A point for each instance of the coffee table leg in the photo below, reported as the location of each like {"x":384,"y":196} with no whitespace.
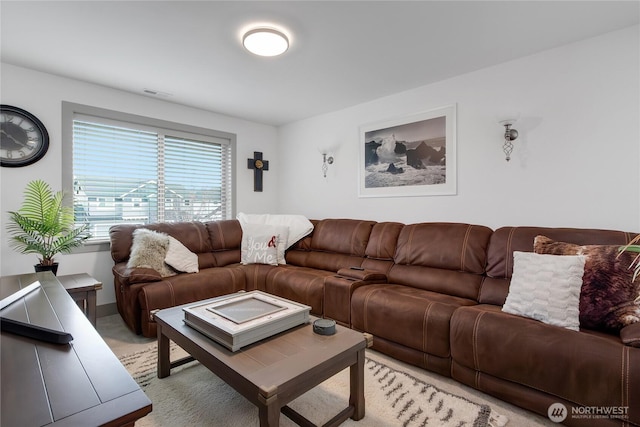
{"x":164,"y":364}
{"x":269,"y":412}
{"x":356,"y":399}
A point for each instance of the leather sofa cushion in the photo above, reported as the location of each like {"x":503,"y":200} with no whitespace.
{"x":304,"y":244}
{"x":342,"y":236}
{"x":454,"y":283}
{"x":447,"y":258}
{"x":224,"y":234}
{"x":322,"y":260}
{"x":591,"y":368}
{"x":630,"y":335}
{"x":193,"y":235}
{"x":128,"y":276}
{"x":226,"y":239}
{"x":187,"y":288}
{"x":420,"y":318}
{"x":300,"y":284}
{"x":450,"y":246}
{"x":383,"y":240}
{"x":504,"y":241}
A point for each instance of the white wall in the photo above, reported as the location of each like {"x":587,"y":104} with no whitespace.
{"x":42,"y":94}
{"x":575,"y":163}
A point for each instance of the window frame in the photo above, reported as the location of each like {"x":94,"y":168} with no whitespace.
{"x":70,"y":110}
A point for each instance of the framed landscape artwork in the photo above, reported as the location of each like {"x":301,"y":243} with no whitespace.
{"x":409,"y":156}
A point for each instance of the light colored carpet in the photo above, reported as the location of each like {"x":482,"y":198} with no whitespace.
{"x":194,"y":396}
{"x":396,"y":394}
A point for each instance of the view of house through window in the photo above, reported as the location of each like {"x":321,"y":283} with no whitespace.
{"x":136,"y":174}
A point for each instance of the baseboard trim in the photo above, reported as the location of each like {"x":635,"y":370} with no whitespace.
{"x":106,"y":310}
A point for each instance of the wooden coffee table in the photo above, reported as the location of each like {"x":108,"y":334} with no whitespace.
{"x":272,"y":372}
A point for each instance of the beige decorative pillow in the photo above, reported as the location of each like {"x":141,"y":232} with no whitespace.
{"x":610,"y":298}
{"x":181,"y":258}
{"x":546,"y":288}
{"x":148,"y":250}
{"x":263,"y":244}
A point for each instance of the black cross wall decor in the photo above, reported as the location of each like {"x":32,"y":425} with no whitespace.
{"x":258,"y":165}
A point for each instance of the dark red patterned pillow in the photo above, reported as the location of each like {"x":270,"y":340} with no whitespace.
{"x":610,"y":298}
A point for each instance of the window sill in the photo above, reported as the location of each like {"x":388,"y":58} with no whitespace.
{"x":96,"y":246}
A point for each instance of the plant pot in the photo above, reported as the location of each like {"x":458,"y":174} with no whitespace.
{"x":52,"y":268}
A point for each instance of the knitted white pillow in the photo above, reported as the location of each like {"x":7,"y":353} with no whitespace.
{"x":546,"y":288}
{"x":181,"y":258}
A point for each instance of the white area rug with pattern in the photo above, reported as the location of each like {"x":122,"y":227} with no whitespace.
{"x":193,"y":396}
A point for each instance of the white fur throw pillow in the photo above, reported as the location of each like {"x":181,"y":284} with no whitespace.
{"x":263,"y":244}
{"x":546,"y":288}
{"x":148,"y":250}
{"x":181,"y":258}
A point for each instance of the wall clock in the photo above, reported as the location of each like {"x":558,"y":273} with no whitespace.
{"x":23,"y":138}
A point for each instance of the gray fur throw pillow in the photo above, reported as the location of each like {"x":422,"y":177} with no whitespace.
{"x":148,"y":250}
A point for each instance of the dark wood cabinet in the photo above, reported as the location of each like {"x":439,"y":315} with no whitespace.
{"x":81,"y":383}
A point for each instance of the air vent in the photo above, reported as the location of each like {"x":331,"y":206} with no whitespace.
{"x":157,"y":93}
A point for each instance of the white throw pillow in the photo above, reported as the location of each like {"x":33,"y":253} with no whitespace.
{"x":546,"y":288}
{"x":263,"y":244}
{"x":148,"y":250}
{"x":181,"y":258}
{"x":298,"y":226}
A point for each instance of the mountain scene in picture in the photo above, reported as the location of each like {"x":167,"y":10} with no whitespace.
{"x":411,"y":154}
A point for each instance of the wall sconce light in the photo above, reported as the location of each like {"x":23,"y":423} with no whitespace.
{"x":509,"y":136}
{"x":326,"y":161}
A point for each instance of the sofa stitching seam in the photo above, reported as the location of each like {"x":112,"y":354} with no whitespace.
{"x":366,"y":305}
{"x":221,"y":235}
{"x":474,"y":340}
{"x":352,"y":245}
{"x":465,"y":242}
{"x":379,"y":248}
{"x":146,"y":300}
{"x":171,"y":291}
{"x":353,"y":238}
{"x":425,"y":320}
{"x":409,"y":243}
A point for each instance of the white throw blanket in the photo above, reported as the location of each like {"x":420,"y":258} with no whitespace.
{"x":299,"y":226}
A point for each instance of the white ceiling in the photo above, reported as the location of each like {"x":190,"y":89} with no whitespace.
{"x":342,"y":53}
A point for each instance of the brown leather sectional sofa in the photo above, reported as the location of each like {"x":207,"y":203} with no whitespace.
{"x":429,"y":293}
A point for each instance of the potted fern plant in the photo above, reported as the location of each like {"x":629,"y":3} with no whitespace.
{"x":634,"y":246}
{"x":45,"y":226}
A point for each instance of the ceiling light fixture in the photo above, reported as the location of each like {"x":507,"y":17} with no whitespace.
{"x":265,"y":41}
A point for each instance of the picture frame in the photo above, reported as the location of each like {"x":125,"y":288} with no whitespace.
{"x":240,"y":319}
{"x":409,"y":156}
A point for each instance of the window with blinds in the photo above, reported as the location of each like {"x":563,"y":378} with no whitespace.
{"x":139,"y":174}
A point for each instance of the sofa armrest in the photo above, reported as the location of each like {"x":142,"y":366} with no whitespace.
{"x":363,"y":275}
{"x":338,"y":290}
{"x":630,"y":335}
{"x":129,"y":276}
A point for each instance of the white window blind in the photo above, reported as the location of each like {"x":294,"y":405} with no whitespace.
{"x":127,"y":173}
